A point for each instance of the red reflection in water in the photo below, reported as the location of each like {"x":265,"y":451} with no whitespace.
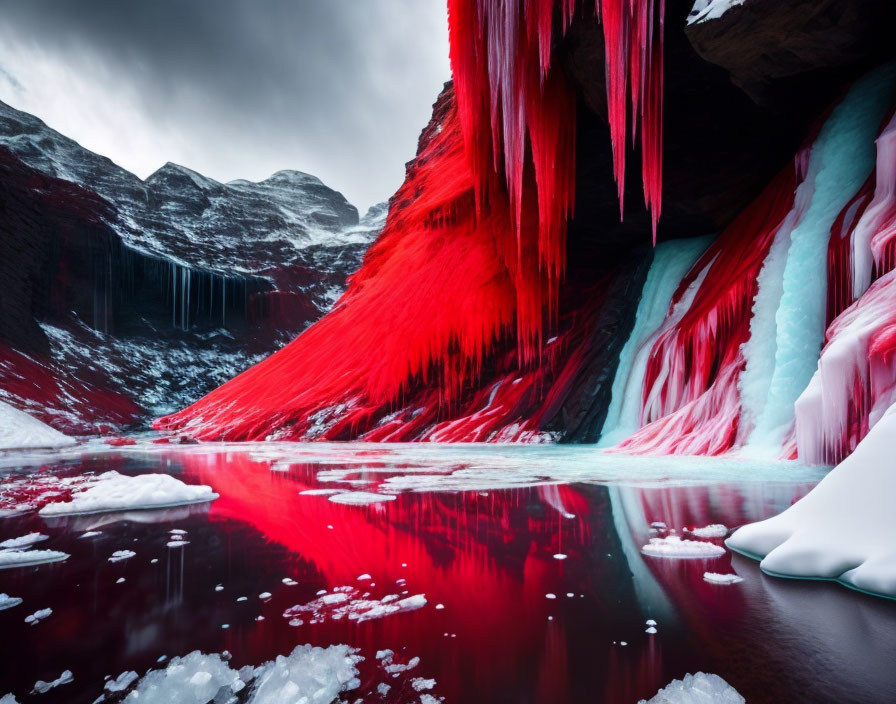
{"x":447,"y":542}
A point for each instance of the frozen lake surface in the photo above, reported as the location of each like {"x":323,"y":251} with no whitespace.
{"x":469,"y":573}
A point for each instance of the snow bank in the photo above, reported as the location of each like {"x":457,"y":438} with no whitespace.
{"x":19,"y":431}
{"x":26,"y":558}
{"x":843,"y":529}
{"x":117,"y":492}
{"x":673,"y":546}
{"x":701,"y":688}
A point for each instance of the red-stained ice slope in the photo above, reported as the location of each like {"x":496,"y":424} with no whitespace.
{"x":470,"y":261}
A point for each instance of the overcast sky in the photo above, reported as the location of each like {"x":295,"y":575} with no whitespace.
{"x":233,"y":88}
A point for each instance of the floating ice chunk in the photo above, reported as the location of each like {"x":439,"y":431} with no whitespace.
{"x":650,"y":629}
{"x":243,"y":598}
{"x":361,"y":498}
{"x":91,"y":534}
{"x":177,"y":543}
{"x":264,"y":596}
{"x":19,"y":431}
{"x":717,"y":578}
{"x":364,"y":577}
{"x":386,"y":654}
{"x":658,"y":525}
{"x":650,"y":622}
{"x":120,"y":580}
{"x":38,"y":616}
{"x":289,"y":582}
{"x":346,"y":603}
{"x":560,"y":556}
{"x":398,"y":667}
{"x":41,"y":687}
{"x":219,"y":588}
{"x":26,"y":558}
{"x":122,"y":682}
{"x":320,"y":492}
{"x":308,"y":674}
{"x":120,"y":555}
{"x":715,"y":530}
{"x":7,"y":601}
{"x":117,"y":492}
{"x":194,"y":679}
{"x":8,"y":699}
{"x":701,"y":688}
{"x":24,"y":541}
{"x":550,"y":596}
{"x":334,"y":598}
{"x":439,"y":607}
{"x":673,"y":546}
{"x":382,"y":689}
{"x":428,"y":699}
{"x":177,"y":531}
{"x":421,"y":684}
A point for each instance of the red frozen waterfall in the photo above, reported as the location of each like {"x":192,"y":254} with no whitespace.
{"x":464,"y":280}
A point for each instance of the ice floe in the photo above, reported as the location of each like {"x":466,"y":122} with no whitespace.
{"x":361,"y":498}
{"x":7,"y":601}
{"x":715,"y":530}
{"x":25,"y":558}
{"x":117,"y":492}
{"x":120,"y":555}
{"x":673,"y":546}
{"x":701,"y":688}
{"x":718,"y":578}
{"x":41,"y":687}
{"x":24,"y":541}
{"x":38,"y":616}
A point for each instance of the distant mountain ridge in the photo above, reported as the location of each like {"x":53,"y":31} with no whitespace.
{"x":155,"y":289}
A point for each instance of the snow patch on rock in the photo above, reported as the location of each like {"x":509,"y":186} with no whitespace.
{"x":19,"y":431}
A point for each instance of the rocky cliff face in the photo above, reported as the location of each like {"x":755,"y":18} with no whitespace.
{"x":152,"y":292}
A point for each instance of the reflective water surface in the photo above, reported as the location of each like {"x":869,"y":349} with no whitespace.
{"x":535,"y":586}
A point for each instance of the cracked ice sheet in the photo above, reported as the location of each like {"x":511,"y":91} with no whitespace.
{"x":463,"y":466}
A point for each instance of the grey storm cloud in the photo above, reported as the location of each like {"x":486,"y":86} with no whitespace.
{"x":233,"y":88}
